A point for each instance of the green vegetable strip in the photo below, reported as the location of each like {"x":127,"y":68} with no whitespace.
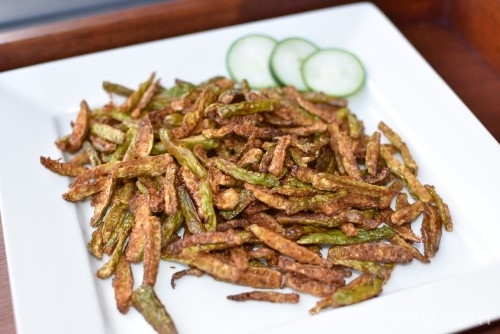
{"x":308,"y":219}
{"x":194,"y":116}
{"x":170,"y":226}
{"x":337,"y":237}
{"x":123,"y":228}
{"x":122,"y":149}
{"x":355,"y":293}
{"x":204,"y":142}
{"x":241,"y":174}
{"x":113,"y":88}
{"x":382,"y":270}
{"x":183,"y":155}
{"x":444,"y":211}
{"x":107,"y":132}
{"x":134,"y":99}
{"x":109,"y":267}
{"x":145,"y":300}
{"x":416,"y":189}
{"x":193,"y":222}
{"x":246,"y":108}
{"x":207,"y":205}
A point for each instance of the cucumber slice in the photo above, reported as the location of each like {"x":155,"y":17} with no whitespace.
{"x":248,"y":58}
{"x":333,"y":71}
{"x":287,"y":58}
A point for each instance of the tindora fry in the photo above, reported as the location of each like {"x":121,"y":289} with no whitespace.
{"x":123,"y":282}
{"x":400,"y":145}
{"x":442,"y":207}
{"x":304,"y":284}
{"x":142,"y":142}
{"x":185,"y":272}
{"x":266,"y":296}
{"x":348,"y":158}
{"x":372,"y":153}
{"x":338,"y":237}
{"x":287,"y":247}
{"x":431,"y":230}
{"x":74,"y":141}
{"x":371,"y":251}
{"x":145,"y":300}
{"x":269,"y":189}
{"x":318,"y":273}
{"x":414,"y":186}
{"x":62,"y":168}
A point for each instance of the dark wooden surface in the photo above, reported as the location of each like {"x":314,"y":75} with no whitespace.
{"x":459,"y":38}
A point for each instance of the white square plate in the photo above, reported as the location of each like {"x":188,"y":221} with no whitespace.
{"x":54,"y":288}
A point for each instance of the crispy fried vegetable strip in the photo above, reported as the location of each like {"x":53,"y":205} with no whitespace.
{"x":361,"y":288}
{"x":114,"y":88}
{"x":184,"y":156}
{"x":134,"y":99}
{"x":398,"y":240}
{"x":338,"y":237}
{"x":170,"y":226}
{"x":279,"y":154}
{"x":169,"y":192}
{"x":207,"y":205}
{"x":266,"y":296}
{"x":382,"y":270}
{"x":304,"y":284}
{"x":407,"y":214}
{"x":110,"y":267}
{"x":62,"y":168}
{"x":287,"y":247}
{"x":80,"y":130}
{"x":185,"y":272}
{"x":101,"y":201}
{"x":211,"y":264}
{"x":137,"y":239}
{"x":348,"y":158}
{"x":152,"y":250}
{"x":312,"y":271}
{"x":81,"y":191}
{"x":145,"y":300}
{"x":191,"y":218}
{"x":122,"y":149}
{"x":396,"y":140}
{"x":245,"y":108}
{"x":372,"y":153}
{"x":431,"y":230}
{"x":142,"y":142}
{"x":259,"y":278}
{"x":371,"y":251}
{"x":230,"y":238}
{"x":123,"y":282}
{"x":150,"y":166}
{"x":194,"y":116}
{"x":107,"y":132}
{"x":324,"y":181}
{"x":308,"y":219}
{"x":244,"y":175}
{"x":444,"y":211}
{"x":414,"y":186}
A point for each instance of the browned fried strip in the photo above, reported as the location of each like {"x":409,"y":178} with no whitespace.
{"x":373,"y":251}
{"x":287,"y":247}
{"x":266,"y":296}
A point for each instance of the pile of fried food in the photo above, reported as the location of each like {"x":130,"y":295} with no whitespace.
{"x":269,"y":189}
